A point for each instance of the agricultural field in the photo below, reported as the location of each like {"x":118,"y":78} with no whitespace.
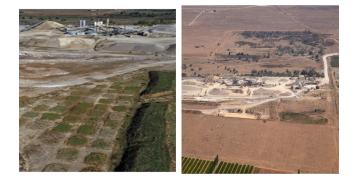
{"x":233,"y":168}
{"x":77,"y":129}
{"x":89,"y":123}
{"x":199,"y":166}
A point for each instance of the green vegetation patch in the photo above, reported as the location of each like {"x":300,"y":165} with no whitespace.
{"x":50,"y":137}
{"x":335,"y":61}
{"x":91,"y":169}
{"x":71,"y":119}
{"x":105,"y":101}
{"x":199,"y":166}
{"x":117,"y":85}
{"x":170,"y":119}
{"x":100,"y":143}
{"x":73,"y":98}
{"x":111,"y":123}
{"x":41,"y":107}
{"x":59,"y":109}
{"x":87,"y":129}
{"x":95,"y":91}
{"x":131,"y":89}
{"x":146,"y":139}
{"x":123,"y":17}
{"x":119,"y":108}
{"x":50,"y":116}
{"x":81,"y":108}
{"x":93,"y":120}
{"x":101,"y":86}
{"x":301,"y":118}
{"x":95,"y":158}
{"x":80,"y":92}
{"x":31,"y":114}
{"x":68,"y":154}
{"x":98,"y":110}
{"x":55,"y":167}
{"x":196,"y":166}
{"x":125,"y":98}
{"x":161,"y":81}
{"x":62,"y":127}
{"x":77,"y":140}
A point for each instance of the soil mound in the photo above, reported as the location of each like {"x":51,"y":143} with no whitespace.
{"x":48,"y":25}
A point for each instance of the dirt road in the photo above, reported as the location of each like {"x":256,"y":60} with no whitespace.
{"x":72,"y":80}
{"x":196,"y":17}
{"x":326,"y":76}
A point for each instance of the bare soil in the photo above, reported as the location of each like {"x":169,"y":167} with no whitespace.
{"x":274,"y":144}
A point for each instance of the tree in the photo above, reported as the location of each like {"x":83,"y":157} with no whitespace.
{"x":211,"y":168}
{"x":235,"y":81}
{"x":254,"y":72}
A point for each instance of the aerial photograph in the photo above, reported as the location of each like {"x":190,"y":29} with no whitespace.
{"x":260,"y":89}
{"x":97,"y":90}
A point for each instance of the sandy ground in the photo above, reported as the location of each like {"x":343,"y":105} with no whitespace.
{"x":273,"y":144}
{"x":50,"y":59}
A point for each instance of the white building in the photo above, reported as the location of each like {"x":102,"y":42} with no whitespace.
{"x":82,"y":23}
{"x":98,"y":23}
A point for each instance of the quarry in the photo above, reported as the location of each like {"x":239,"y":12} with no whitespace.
{"x":86,"y":90}
{"x":237,"y":95}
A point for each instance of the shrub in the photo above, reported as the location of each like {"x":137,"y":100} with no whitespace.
{"x":71,"y":119}
{"x":31,"y":114}
{"x":77,"y":140}
{"x":119,"y":108}
{"x":86,"y":129}
{"x":58,"y":109}
{"x":95,"y":158}
{"x":68,"y":154}
{"x":41,"y":108}
{"x":62,"y":127}
{"x":100,"y":143}
{"x":81,"y":107}
{"x":50,"y":116}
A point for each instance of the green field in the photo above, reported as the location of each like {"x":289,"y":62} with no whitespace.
{"x":301,"y":118}
{"x":117,"y":17}
{"x":161,"y":81}
{"x":199,"y":166}
{"x":147,"y":149}
{"x":233,"y":168}
{"x":196,"y":166}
